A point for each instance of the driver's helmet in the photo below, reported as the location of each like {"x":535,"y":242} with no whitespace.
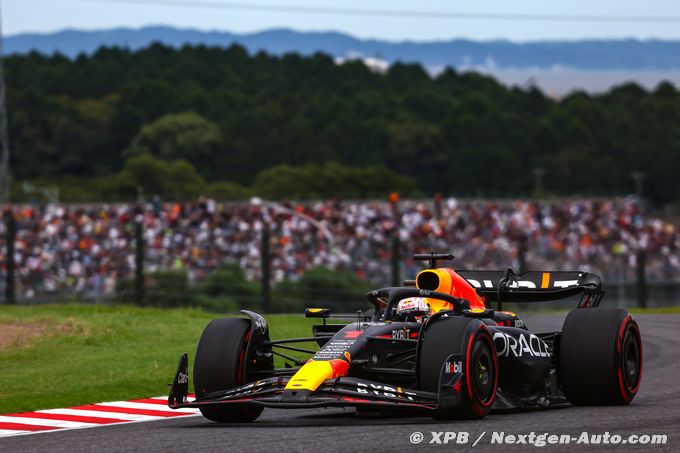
{"x":413,"y":309}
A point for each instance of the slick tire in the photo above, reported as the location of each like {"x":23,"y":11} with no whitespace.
{"x":220,"y":364}
{"x":600,"y":357}
{"x":471,"y":339}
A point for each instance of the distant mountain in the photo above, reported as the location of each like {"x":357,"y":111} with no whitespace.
{"x":591,"y":55}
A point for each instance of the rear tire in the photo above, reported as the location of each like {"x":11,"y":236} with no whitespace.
{"x":471,"y":339}
{"x":600,"y":357}
{"x":220,"y":364}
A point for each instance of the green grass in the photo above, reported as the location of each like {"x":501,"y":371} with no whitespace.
{"x":90,"y":354}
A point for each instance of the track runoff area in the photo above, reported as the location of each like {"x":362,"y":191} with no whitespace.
{"x":650,"y":423}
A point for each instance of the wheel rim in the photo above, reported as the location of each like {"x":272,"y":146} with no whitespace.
{"x":630,"y":359}
{"x":482,"y":371}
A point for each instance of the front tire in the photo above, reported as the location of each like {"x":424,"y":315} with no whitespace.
{"x":220,"y":364}
{"x":600,"y":357}
{"x":471,"y":339}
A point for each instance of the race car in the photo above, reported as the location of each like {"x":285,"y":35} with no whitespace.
{"x":432,"y":346}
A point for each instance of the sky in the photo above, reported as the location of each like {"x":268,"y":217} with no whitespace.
{"x":20,"y":16}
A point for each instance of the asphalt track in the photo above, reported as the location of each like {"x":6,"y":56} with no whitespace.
{"x":655,"y":410}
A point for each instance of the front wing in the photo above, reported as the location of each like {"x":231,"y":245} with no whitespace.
{"x":270,"y":392}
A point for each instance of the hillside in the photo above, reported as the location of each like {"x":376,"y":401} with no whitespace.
{"x":460,"y":53}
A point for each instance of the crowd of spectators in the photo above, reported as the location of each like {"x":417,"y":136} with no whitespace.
{"x":86,"y":249}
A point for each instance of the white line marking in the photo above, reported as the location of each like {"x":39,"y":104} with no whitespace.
{"x":146,"y":406}
{"x":165,"y":398}
{"x":44,"y":422}
{"x":11,"y":432}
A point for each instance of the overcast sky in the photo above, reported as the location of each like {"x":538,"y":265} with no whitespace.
{"x":50,"y":15}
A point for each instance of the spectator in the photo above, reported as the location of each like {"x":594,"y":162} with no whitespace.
{"x":86,"y":249}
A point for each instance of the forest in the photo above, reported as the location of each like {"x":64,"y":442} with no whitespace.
{"x":222,"y":122}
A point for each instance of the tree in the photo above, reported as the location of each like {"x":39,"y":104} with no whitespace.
{"x":227,"y":191}
{"x":234,"y":116}
{"x":177,"y":179}
{"x":186,"y":136}
{"x":183,"y":181}
{"x":329,"y":180}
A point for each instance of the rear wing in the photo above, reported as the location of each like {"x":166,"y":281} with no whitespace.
{"x":535,"y":286}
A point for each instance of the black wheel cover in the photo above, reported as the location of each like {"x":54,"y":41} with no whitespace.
{"x":630,"y":359}
{"x":482,"y":371}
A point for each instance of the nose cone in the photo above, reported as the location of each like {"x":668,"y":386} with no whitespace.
{"x":315,"y":372}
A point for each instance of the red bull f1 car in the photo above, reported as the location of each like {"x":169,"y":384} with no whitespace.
{"x":433,"y":346}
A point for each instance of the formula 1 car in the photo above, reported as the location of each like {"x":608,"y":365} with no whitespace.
{"x":432,"y":346}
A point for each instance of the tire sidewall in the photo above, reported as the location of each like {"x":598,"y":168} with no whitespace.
{"x":456,"y":335}
{"x":628,"y":326}
{"x":478,"y":405}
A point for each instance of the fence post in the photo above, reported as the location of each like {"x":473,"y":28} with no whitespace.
{"x":393,"y":198}
{"x":438,"y":205}
{"x":522,"y":253}
{"x":266,"y":269}
{"x":396,"y":259}
{"x":10,"y":289}
{"x":641,"y":258}
{"x":139,"y":263}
